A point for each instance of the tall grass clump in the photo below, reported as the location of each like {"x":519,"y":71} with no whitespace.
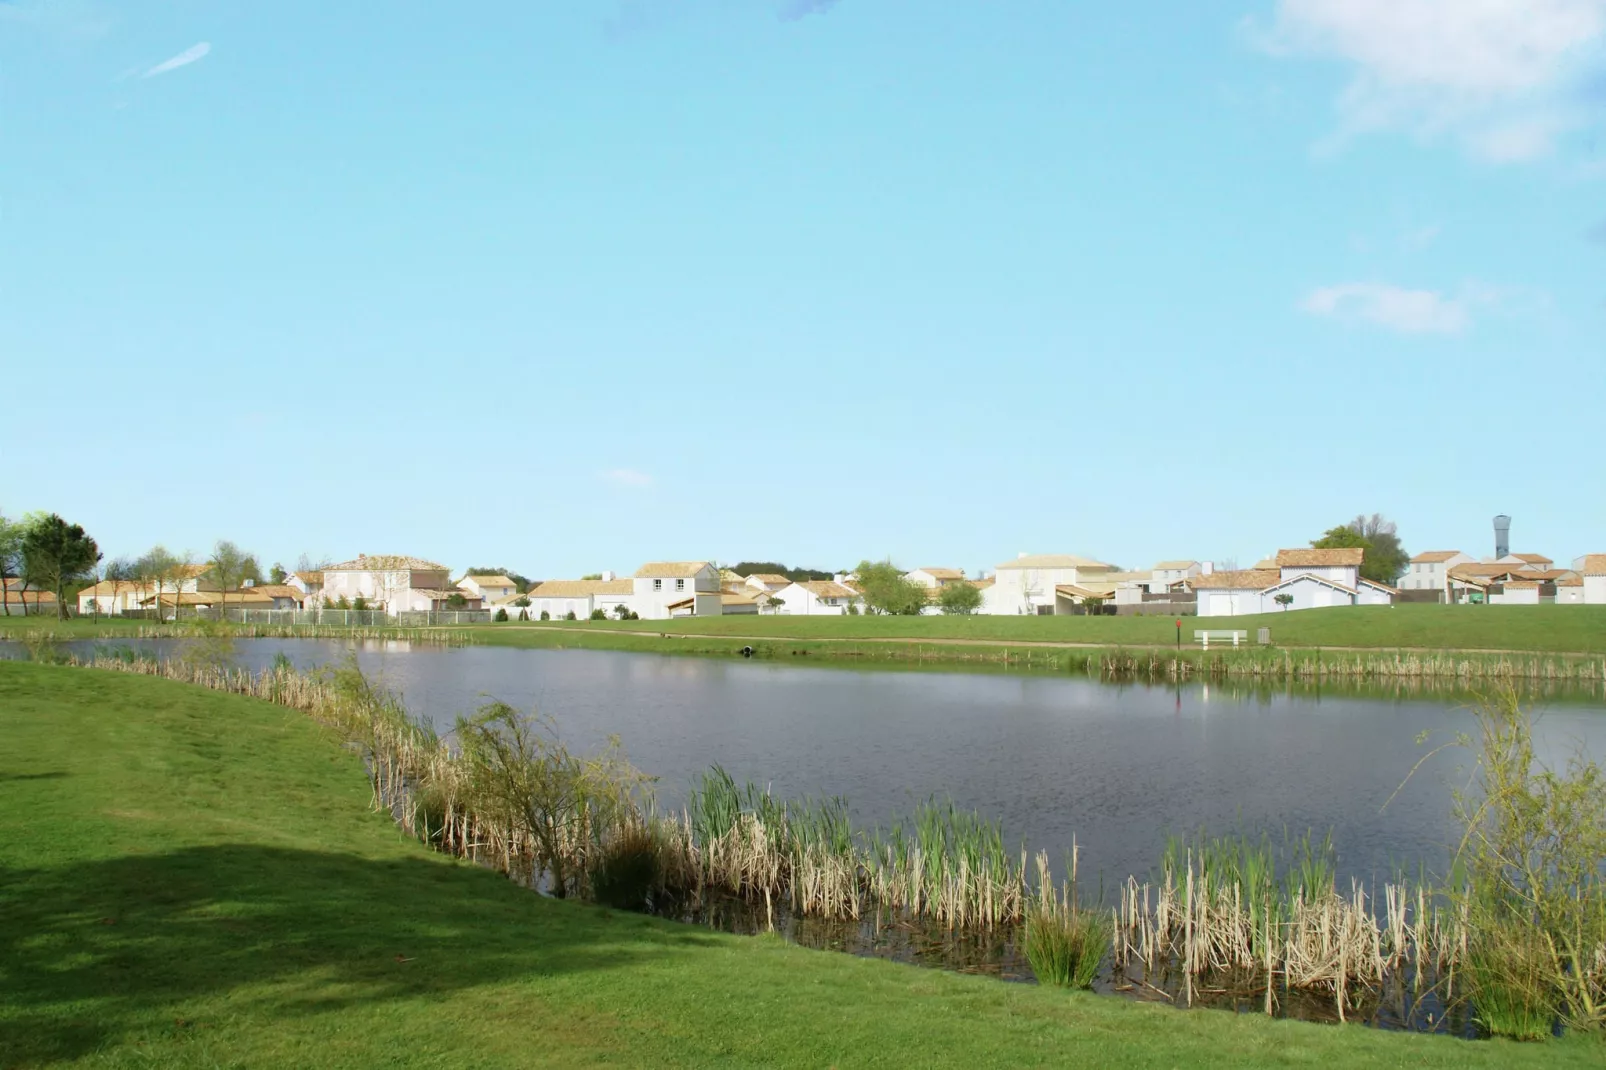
{"x":1531,"y":856}
{"x":1065,"y":942}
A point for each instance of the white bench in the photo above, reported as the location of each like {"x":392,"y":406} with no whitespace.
{"x":1236,"y":638}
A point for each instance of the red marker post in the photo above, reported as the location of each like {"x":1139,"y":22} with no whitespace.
{"x":1179,"y":635}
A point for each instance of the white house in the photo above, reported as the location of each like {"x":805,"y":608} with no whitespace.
{"x":1030,"y":583}
{"x":1167,"y":574}
{"x":1430,"y":571}
{"x":935,"y":577}
{"x":310,"y":583}
{"x":808,"y":598}
{"x":1234,"y":593}
{"x":664,"y":589}
{"x":489,"y":588}
{"x":558,"y":598}
{"x":384,"y":581}
{"x":111,"y":596}
{"x":1570,"y":590}
{"x":1306,"y":578}
{"x":1593,"y":567}
{"x":1516,"y":593}
{"x":767,"y":581}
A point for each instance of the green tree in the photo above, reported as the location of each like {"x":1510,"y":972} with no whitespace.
{"x":1284,"y":600}
{"x":457,"y":600}
{"x":229,"y":568}
{"x":10,"y":562}
{"x":55,"y":554}
{"x":886,"y":590}
{"x":1383,"y":558}
{"x":520,"y":583}
{"x":959,"y":599}
{"x":151,"y":570}
{"x":277,"y":574}
{"x":1387,"y":559}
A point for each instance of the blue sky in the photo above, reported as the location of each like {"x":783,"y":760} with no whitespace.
{"x":573,"y":286}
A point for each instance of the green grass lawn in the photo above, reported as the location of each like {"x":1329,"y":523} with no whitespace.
{"x":193,"y":879}
{"x":1569,"y":629}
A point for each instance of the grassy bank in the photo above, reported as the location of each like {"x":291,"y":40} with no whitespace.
{"x":1538,"y":629}
{"x":197,"y":879}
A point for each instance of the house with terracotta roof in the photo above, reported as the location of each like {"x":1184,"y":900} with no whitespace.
{"x":1570,"y":589}
{"x":932,"y":576}
{"x":310,"y":583}
{"x":767,"y":581}
{"x":819,"y":598}
{"x":25,"y":600}
{"x":1430,"y":570}
{"x":1593,"y":569}
{"x":1307,"y":578}
{"x":664,"y":589}
{"x":1030,"y":584}
{"x":560,"y":598}
{"x":387,"y":582}
{"x":489,"y":588}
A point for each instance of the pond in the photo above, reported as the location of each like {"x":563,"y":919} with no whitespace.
{"x":1115,"y":769}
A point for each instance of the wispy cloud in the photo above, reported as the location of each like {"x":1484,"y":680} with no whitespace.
{"x":1394,"y":307}
{"x":1505,"y":77}
{"x":792,"y":10}
{"x":627,"y":477}
{"x":190,"y":55}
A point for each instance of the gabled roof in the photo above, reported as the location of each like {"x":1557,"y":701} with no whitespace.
{"x":1313,"y":558}
{"x":1055,"y":561}
{"x":441,"y":594}
{"x":671,"y":570}
{"x":385,"y":563}
{"x":1595,"y":564}
{"x":580,"y":588}
{"x":489,"y":581}
{"x":826,"y":589}
{"x":1435,"y":557}
{"x":769,"y":577}
{"x":1311,"y":577}
{"x":1534,"y":559}
{"x":1364,"y":582}
{"x":311,"y":577}
{"x":1254,"y":579}
{"x":1475,"y":570}
{"x":1169,"y":566}
{"x":942,"y":573}
{"x":1521,"y":585}
{"x":274,"y":590}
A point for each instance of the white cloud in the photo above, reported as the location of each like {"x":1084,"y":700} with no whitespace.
{"x":627,"y":477}
{"x":1494,"y":73}
{"x":183,"y":59}
{"x":1399,"y":309}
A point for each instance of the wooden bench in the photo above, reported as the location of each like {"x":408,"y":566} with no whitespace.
{"x":1236,"y":638}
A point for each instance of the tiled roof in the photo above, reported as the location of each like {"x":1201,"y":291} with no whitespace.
{"x":1055,"y":561}
{"x":1311,"y":577}
{"x":942,"y":573}
{"x":1570,"y":581}
{"x":275,"y":590}
{"x":827,"y":589}
{"x":1078,"y":592}
{"x":1474,"y":570}
{"x":678,"y":570}
{"x":1534,"y":559}
{"x":441,"y":594}
{"x":1595,"y":565}
{"x":1380,"y":586}
{"x":1348,"y":555}
{"x":1254,"y":579}
{"x":490,"y":581}
{"x":385,"y":563}
{"x":734,"y":598}
{"x":1167,"y":566}
{"x":312,"y":577}
{"x":1434,"y":557}
{"x":769,"y":577}
{"x":580,"y":588}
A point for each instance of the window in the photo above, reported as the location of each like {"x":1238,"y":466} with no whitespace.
{"x":657,"y":585}
{"x":680,"y":585}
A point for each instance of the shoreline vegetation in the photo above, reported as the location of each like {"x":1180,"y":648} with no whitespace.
{"x":1513,"y":945}
{"x":198,"y":879}
{"x":1463,"y":645}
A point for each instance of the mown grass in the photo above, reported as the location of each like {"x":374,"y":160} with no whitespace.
{"x":1563,"y":629}
{"x":189,"y":879}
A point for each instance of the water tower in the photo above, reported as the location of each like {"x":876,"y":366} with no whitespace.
{"x":1502,"y":536}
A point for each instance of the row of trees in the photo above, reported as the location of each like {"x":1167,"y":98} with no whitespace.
{"x":46,"y":553}
{"x":887,"y":590}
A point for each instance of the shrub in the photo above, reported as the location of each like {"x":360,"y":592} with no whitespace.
{"x":1065,"y":946}
{"x":524,"y":614}
{"x":569,"y":615}
{"x":625,"y":870}
{"x":501,"y":615}
{"x":545,"y":615}
{"x":634,"y":615}
{"x":598,"y":614}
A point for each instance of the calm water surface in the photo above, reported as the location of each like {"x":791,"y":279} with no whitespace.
{"x":1117,"y":768}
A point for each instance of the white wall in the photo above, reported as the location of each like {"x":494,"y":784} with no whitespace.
{"x":1307,"y":594}
{"x":1367,"y":595}
{"x":653,"y":603}
{"x":1520,"y":597}
{"x":1022,"y":590}
{"x":1348,"y":575}
{"x":1595,"y":590}
{"x":1569,"y":596}
{"x":1230,"y":603}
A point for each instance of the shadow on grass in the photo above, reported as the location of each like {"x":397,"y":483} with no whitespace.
{"x":92,"y":953}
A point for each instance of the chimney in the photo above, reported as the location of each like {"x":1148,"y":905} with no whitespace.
{"x":1502,"y":536}
{"x":1208,"y":568}
{"x":607,"y":577}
